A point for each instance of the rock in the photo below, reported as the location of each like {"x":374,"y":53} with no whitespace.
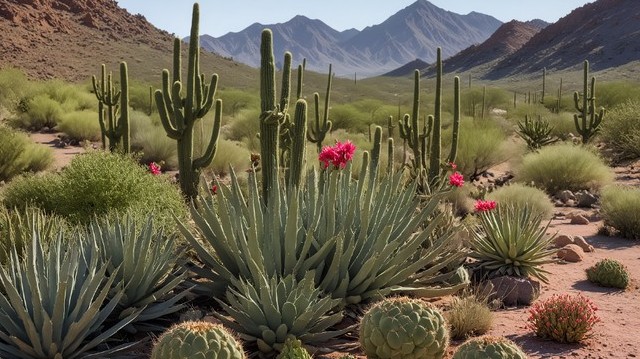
{"x":570,"y":203}
{"x":580,"y":241}
{"x":562,"y":240}
{"x":586,"y":199}
{"x":566,"y":195}
{"x":512,"y":291}
{"x":571,"y":253}
{"x":579,"y":219}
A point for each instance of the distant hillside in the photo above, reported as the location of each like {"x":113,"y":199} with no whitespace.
{"x":605,"y":32}
{"x":412,"y":33}
{"x":408,"y":69}
{"x":69,"y":39}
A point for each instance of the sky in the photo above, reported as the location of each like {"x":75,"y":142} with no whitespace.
{"x":218,"y":17}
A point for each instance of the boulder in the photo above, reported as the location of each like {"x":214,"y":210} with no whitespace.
{"x":512,"y":291}
{"x":562,"y":240}
{"x":586,"y":199}
{"x":571,"y":253}
{"x":580,"y":241}
{"x":579,"y":219}
{"x":566,"y":195}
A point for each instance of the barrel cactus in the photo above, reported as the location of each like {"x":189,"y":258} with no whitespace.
{"x":489,"y":348}
{"x":197,"y":339}
{"x":403,"y":328}
{"x":609,"y":273}
{"x":293,"y":349}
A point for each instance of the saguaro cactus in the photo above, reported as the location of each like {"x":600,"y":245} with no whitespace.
{"x":587,"y":121}
{"x":318,"y":131}
{"x":544,"y":84}
{"x":114,"y":119}
{"x":179,"y":114}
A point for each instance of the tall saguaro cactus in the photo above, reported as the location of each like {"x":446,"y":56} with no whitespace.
{"x":114,"y":119}
{"x":587,"y":121}
{"x":179,"y":113}
{"x":318,"y":131}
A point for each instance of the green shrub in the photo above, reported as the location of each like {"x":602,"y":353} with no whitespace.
{"x":155,"y":146}
{"x":613,"y":94}
{"x":563,"y":167}
{"x":18,"y":154}
{"x":468,"y":316}
{"x":520,"y":195}
{"x":41,"y":111}
{"x":13,"y":86}
{"x":30,"y":190}
{"x":621,"y":129}
{"x":609,"y":273}
{"x":620,"y":209}
{"x":37,"y":157}
{"x":80,"y":125}
{"x":244,"y":127}
{"x":230,"y":153}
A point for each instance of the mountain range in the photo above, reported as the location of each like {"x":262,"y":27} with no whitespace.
{"x":412,"y":33}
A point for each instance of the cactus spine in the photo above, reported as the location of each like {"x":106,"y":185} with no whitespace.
{"x":115,"y":127}
{"x":587,"y":121}
{"x":179,"y":114}
{"x":319,"y":130}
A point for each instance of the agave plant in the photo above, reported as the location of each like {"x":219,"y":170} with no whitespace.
{"x":511,"y":241}
{"x":275,"y":309}
{"x":537,"y":133}
{"x":146,"y":262}
{"x":54,"y":303}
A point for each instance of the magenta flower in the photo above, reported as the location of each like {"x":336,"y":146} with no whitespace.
{"x":484,"y":206}
{"x":453,"y":166}
{"x":214,"y":189}
{"x":456,"y":179}
{"x":154,"y":168}
{"x":337,"y":155}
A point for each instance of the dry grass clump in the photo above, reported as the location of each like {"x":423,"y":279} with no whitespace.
{"x":520,"y":195}
{"x":468,"y":315}
{"x":620,"y":209}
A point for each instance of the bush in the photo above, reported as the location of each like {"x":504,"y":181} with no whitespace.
{"x":468,"y":316}
{"x":563,"y":167}
{"x":230,"y":153}
{"x":620,"y":209}
{"x":154,"y":144}
{"x":109,"y":183}
{"x":563,"y":318}
{"x":13,"y":86}
{"x":609,"y":273}
{"x":41,"y":111}
{"x":519,"y":195}
{"x":80,"y":125}
{"x":621,"y":129}
{"x":18,"y":154}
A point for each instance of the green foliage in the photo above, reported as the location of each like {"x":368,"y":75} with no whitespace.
{"x":467,"y":316}
{"x":577,"y":313}
{"x":489,"y":348}
{"x":471,"y":101}
{"x":520,"y":195}
{"x":614,"y":94}
{"x":536,"y":133}
{"x":511,"y":241}
{"x":293,"y":349}
{"x":243,"y":127}
{"x":19,"y":154}
{"x":238,"y":100}
{"x":14,"y":85}
{"x":620,"y":209}
{"x":42,"y":111}
{"x":403,"y":328}
{"x":621,"y":131}
{"x":109,"y":183}
{"x":609,"y":273}
{"x":563,"y":167}
{"x":197,"y":340}
{"x":54,"y":303}
{"x":80,"y":125}
{"x":231,"y":153}
{"x":151,"y":143}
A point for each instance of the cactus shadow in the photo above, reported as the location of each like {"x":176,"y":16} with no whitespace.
{"x":587,"y":286}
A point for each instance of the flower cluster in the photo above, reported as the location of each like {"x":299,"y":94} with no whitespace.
{"x":154,"y":168}
{"x":484,"y":206}
{"x":337,"y":155}
{"x":456,"y":179}
{"x":563,"y":318}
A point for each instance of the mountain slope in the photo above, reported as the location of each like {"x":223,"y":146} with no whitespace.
{"x":604,"y":32}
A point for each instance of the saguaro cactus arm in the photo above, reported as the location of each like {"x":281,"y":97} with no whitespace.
{"x":319,"y":130}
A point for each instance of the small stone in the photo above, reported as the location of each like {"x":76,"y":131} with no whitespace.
{"x":570,"y":203}
{"x":571,"y":253}
{"x":562,"y":240}
{"x":580,"y":241}
{"x":586,"y":199}
{"x":579,"y":219}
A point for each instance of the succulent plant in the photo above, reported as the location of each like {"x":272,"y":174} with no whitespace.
{"x":197,"y":339}
{"x":609,"y":273}
{"x":489,"y":348}
{"x":403,"y":328}
{"x":293,"y":349}
{"x":563,"y":318}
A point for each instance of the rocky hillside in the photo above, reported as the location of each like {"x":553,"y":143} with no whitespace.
{"x":69,"y":39}
{"x":412,"y":33}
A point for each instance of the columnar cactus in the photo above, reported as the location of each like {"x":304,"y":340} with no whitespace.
{"x":179,"y":113}
{"x":115,"y":127}
{"x":489,"y":348}
{"x":298,"y":145}
{"x":587,"y":121}
{"x":609,"y":273}
{"x":544,"y":84}
{"x":403,"y":328}
{"x":197,"y":340}
{"x":318,"y":130}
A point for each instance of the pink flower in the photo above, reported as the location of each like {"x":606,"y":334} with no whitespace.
{"x":484,"y":206}
{"x":456,"y":179}
{"x":453,"y":166}
{"x":337,"y":155}
{"x":154,"y":168}
{"x":328,"y":155}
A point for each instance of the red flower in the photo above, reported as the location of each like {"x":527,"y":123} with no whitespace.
{"x":453,"y":166}
{"x":456,"y":179}
{"x":154,"y":168}
{"x":338,"y":155}
{"x":214,"y":189}
{"x":484,"y":206}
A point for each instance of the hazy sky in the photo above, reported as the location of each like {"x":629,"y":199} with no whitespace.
{"x":221,"y":16}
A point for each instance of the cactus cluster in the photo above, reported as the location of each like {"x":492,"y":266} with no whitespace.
{"x":403,"y":328}
{"x":113,"y":109}
{"x":489,"y":348}
{"x":197,"y":339}
{"x":609,"y":273}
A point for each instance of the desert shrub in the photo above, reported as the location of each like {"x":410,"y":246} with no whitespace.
{"x":621,"y":129}
{"x":520,"y":195}
{"x":620,"y":209}
{"x":578,"y":315}
{"x":613,"y":94}
{"x":244,"y":127}
{"x":237,"y":100}
{"x":563,"y":125}
{"x":467,"y":316}
{"x":18,"y":154}
{"x":37,"y":157}
{"x":13,"y":86}
{"x":563,"y":167}
{"x":71,"y":97}
{"x":154,"y":146}
{"x":109,"y":184}
{"x":348,"y":117}
{"x":139,"y":97}
{"x":80,"y":125}
{"x":230,"y":153}
{"x":41,"y":111}
{"x":471,"y":101}
{"x":609,"y":273}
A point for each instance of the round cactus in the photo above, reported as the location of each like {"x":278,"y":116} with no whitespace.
{"x":402,"y":328}
{"x":197,"y":340}
{"x":293,"y":349}
{"x":489,"y":348}
{"x":609,"y":273}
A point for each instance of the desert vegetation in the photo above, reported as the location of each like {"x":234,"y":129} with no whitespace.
{"x":304,"y":223}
